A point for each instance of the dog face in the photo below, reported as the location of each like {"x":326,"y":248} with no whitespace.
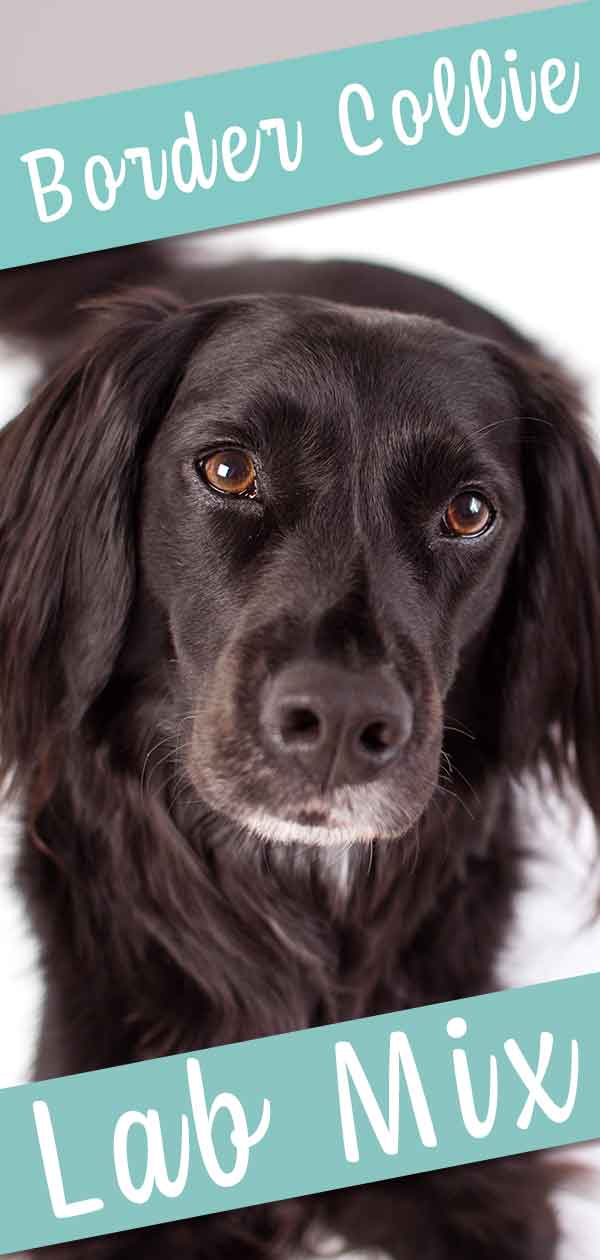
{"x":328,"y":515}
{"x":322,"y":540}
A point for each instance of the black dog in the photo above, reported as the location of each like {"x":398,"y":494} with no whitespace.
{"x":285,"y":576}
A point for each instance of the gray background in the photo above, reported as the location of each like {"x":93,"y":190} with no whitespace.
{"x":53,"y":51}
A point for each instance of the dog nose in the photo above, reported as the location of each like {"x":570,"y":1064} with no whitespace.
{"x":341,"y":727}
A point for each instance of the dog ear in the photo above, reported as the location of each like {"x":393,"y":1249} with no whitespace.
{"x":69,"y":466}
{"x":548,"y":654}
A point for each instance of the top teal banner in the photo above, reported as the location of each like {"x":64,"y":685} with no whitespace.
{"x":297,"y":135}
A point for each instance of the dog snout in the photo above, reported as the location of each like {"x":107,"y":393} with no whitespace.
{"x":341,"y":728}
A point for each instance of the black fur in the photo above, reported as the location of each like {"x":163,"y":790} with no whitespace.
{"x":143,"y":619}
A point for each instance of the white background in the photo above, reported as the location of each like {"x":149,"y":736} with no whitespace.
{"x":526,"y":245}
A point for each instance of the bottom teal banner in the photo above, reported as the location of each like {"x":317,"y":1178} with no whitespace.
{"x":291,"y":1115}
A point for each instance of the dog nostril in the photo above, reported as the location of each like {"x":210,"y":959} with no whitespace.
{"x":300,"y":725}
{"x":378,"y":740}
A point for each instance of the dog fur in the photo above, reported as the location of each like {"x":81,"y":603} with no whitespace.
{"x":190,"y":885}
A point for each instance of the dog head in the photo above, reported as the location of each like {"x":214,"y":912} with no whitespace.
{"x":324,"y":551}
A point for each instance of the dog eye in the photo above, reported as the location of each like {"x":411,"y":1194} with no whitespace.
{"x":229,"y":472}
{"x":469,"y":514}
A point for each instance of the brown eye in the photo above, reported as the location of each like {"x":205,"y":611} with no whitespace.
{"x":230,"y":472}
{"x":467,"y":515}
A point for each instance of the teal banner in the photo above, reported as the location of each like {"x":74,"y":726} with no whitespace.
{"x":295,"y":135}
{"x":309,"y":1111}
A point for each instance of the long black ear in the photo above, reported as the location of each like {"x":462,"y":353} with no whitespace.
{"x":69,"y":467}
{"x":548,"y":655}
